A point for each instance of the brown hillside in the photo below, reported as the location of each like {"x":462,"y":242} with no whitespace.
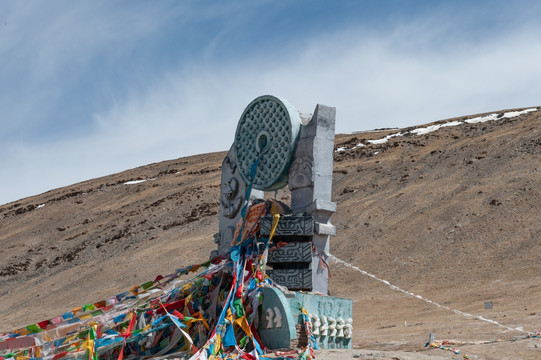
{"x":453,"y":215}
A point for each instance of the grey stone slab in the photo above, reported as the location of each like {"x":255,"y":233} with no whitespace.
{"x":293,"y":279}
{"x":289,"y":226}
{"x":276,"y":324}
{"x":325,"y":229}
{"x":299,"y":252}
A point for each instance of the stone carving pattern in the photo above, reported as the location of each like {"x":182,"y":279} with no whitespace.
{"x":340,"y":327}
{"x":316,"y":324}
{"x":336,"y":330}
{"x":324,"y":329}
{"x":268,"y":318}
{"x":322,"y":324}
{"x":348,"y":328}
{"x":269,"y":118}
{"x":295,"y":279}
{"x":277,"y":318}
{"x":332,"y":326}
{"x":230,"y":202}
{"x":273,"y":318}
{"x":289,"y":226}
{"x":232,"y":165}
{"x":300,"y":173}
{"x":300,"y":252}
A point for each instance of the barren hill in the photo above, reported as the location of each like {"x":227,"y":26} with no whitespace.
{"x":449,"y":211}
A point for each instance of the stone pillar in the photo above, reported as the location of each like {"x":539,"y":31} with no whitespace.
{"x":232,"y":199}
{"x":310,"y":182}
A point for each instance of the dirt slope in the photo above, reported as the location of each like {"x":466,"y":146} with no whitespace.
{"x":453,"y":216}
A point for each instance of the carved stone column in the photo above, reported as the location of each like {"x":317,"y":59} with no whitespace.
{"x":232,"y":199}
{"x":310,"y":182}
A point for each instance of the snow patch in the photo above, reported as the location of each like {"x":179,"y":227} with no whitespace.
{"x":40,"y":206}
{"x":133,"y":182}
{"x":511,"y":114}
{"x":481,"y":119}
{"x":426,"y":130}
{"x":507,"y":115}
{"x":431,"y":128}
{"x":385,"y":139}
{"x":343,"y":148}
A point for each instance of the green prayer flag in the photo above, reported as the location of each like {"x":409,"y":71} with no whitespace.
{"x":34,"y":328}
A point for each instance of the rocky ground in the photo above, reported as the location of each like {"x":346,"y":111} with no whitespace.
{"x":453,"y":216}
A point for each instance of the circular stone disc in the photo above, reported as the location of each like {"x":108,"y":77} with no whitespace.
{"x":269,"y":125}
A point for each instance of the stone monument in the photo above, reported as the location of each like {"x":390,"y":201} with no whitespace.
{"x":273,"y":148}
{"x":293,"y":154}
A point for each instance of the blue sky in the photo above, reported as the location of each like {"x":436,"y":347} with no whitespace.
{"x":90,"y":88}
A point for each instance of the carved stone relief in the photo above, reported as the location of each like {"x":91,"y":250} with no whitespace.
{"x":293,"y":279}
{"x":289,"y":226}
{"x":230,"y":202}
{"x":327,"y":326}
{"x":299,"y":252}
{"x":300,"y":173}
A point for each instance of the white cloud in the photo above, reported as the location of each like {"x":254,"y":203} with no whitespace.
{"x":49,"y":49}
{"x":398,"y":78}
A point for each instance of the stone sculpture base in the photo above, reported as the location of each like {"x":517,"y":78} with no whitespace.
{"x":280,"y":325}
{"x":291,"y":265}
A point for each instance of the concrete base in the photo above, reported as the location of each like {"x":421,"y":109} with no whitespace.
{"x":330,"y":320}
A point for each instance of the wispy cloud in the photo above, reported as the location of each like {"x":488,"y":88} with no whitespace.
{"x":414,"y":72}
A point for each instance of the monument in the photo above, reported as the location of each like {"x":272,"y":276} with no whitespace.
{"x":268,"y":290}
{"x":277,"y":146}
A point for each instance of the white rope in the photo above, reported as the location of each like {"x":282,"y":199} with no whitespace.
{"x":396,"y":288}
